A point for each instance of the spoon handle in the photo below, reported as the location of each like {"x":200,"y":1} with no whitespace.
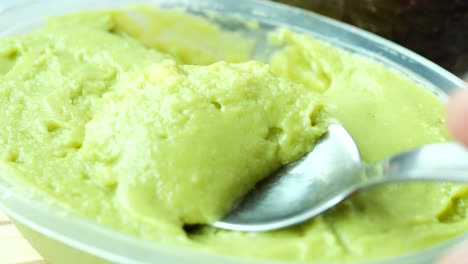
{"x":436,"y":162}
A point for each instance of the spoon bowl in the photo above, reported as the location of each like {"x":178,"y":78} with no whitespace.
{"x":329,"y":174}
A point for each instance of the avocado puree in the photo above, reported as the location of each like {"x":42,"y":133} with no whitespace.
{"x":148,"y":129}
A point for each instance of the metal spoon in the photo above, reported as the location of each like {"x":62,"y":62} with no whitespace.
{"x":332,"y":172}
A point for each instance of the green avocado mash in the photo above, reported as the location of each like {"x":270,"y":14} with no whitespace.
{"x":148,"y":129}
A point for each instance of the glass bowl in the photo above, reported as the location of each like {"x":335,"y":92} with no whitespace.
{"x":62,"y":236}
{"x":433,"y":28}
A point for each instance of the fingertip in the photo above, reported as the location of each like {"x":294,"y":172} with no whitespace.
{"x":458,"y":255}
{"x":457,"y":115}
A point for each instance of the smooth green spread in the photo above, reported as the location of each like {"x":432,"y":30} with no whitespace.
{"x":182,"y":143}
{"x":150,"y":128}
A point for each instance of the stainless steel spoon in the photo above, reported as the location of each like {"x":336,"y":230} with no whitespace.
{"x":332,"y":172}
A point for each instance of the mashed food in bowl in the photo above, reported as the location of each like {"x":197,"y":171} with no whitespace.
{"x":153,"y":127}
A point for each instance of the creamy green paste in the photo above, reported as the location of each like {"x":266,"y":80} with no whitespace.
{"x":148,"y":128}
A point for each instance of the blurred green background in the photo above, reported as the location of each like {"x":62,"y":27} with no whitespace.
{"x":436,"y":29}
